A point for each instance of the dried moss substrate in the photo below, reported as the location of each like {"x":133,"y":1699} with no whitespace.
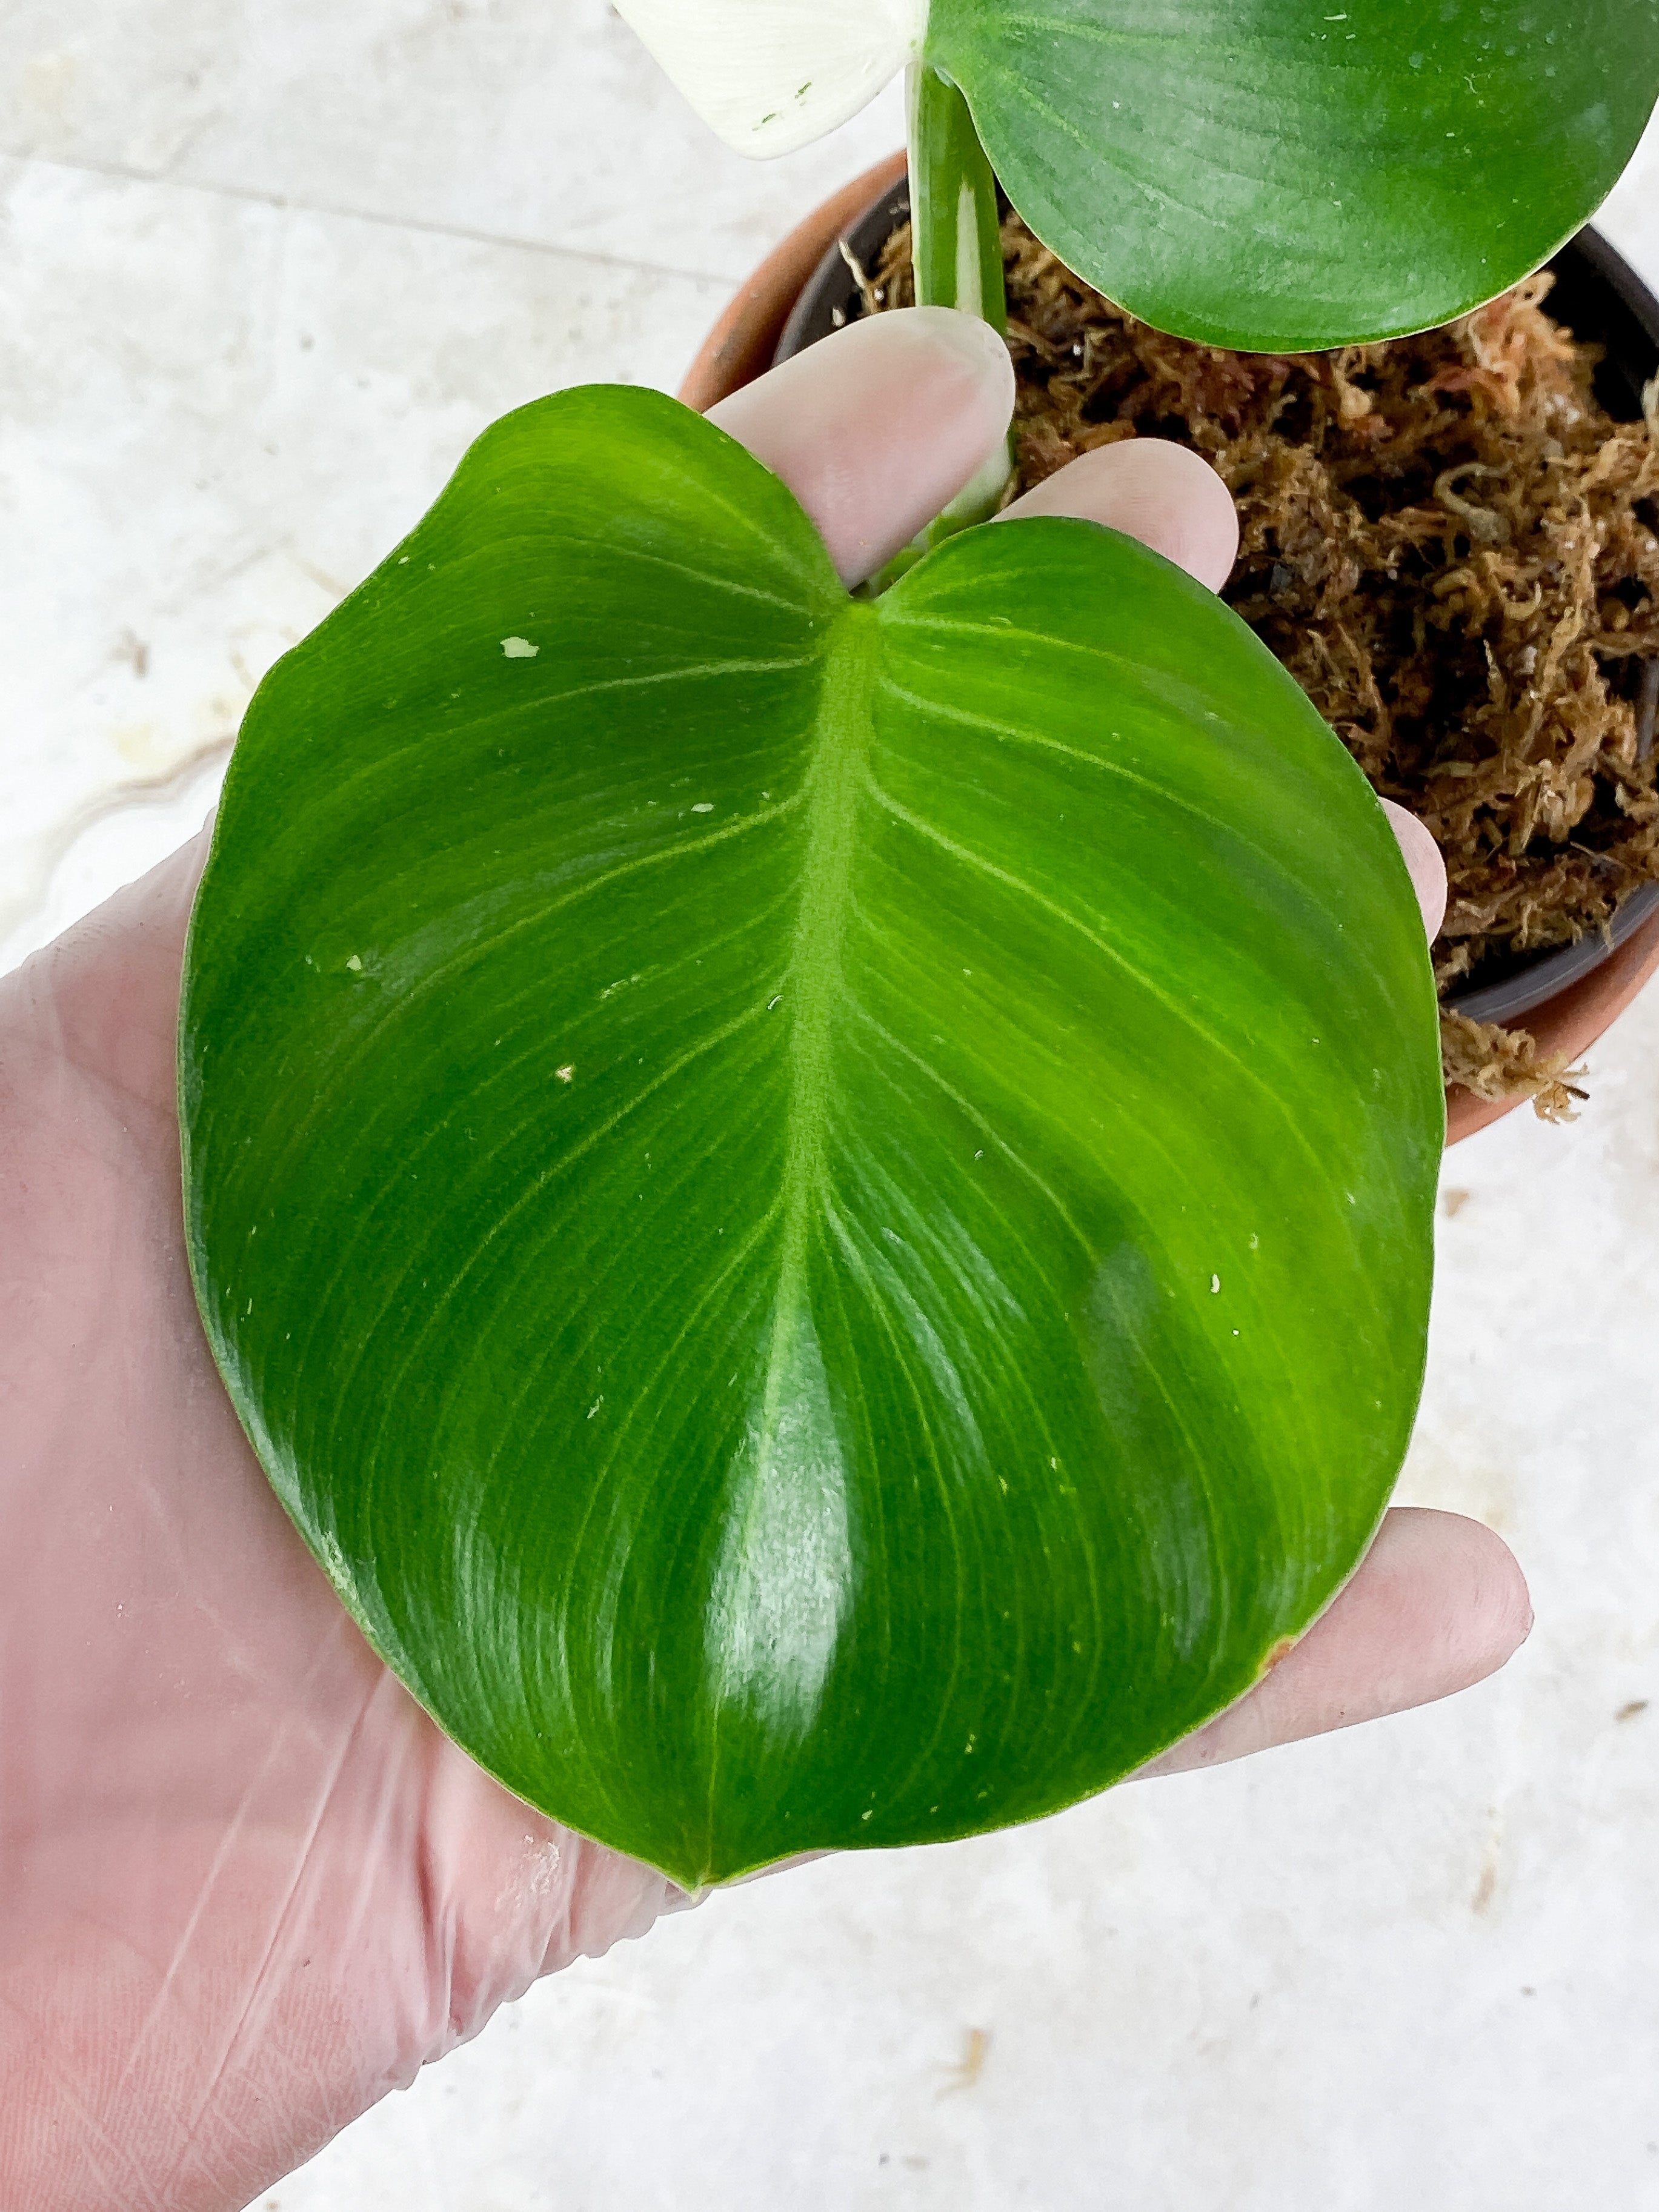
{"x":1452,"y":547}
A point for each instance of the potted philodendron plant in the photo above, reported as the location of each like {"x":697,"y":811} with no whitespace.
{"x":820,"y":1205}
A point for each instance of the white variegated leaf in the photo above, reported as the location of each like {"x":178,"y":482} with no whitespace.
{"x":770,"y":76}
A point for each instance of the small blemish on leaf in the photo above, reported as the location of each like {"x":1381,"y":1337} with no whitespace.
{"x":703,"y":806}
{"x":566,"y":1072}
{"x":1215,"y":1284}
{"x":355,"y":964}
{"x":519,"y":648}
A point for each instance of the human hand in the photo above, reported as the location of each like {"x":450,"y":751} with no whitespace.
{"x":246,"y":1884}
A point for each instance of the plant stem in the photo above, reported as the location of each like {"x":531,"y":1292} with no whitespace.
{"x":955,"y":244}
{"x":956,"y":251}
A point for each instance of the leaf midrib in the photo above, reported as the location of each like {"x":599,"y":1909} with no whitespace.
{"x":811,"y":983}
{"x":837,"y":770}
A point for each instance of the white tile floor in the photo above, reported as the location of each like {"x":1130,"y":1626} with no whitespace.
{"x":263,"y":270}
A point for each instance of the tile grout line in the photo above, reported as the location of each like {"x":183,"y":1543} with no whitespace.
{"x":250,"y":195}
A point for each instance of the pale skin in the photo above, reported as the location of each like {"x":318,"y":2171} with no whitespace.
{"x":246,"y":1885}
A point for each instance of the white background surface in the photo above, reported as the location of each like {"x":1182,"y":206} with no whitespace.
{"x":265,"y":267}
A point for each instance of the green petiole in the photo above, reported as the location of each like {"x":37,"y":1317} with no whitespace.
{"x":956,"y":251}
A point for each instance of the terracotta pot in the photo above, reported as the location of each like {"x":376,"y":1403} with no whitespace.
{"x":740,"y":347}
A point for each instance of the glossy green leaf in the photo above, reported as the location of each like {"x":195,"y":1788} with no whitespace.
{"x":820,"y":1210}
{"x":1272,"y":174}
{"x":1287,"y":174}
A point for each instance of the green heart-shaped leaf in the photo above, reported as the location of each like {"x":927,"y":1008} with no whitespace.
{"x":1288,"y":174}
{"x":820,"y":1210}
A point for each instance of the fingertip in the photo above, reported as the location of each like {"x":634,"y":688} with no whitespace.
{"x":1438,"y":1603}
{"x":876,"y":428}
{"x":1484,"y":1612}
{"x":1166,"y":496}
{"x":968,"y":341}
{"x":1422,"y":857}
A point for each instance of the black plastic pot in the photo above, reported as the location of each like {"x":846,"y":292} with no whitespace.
{"x":1597,"y":294}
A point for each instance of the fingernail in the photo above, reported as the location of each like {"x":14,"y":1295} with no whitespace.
{"x":980,"y":350}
